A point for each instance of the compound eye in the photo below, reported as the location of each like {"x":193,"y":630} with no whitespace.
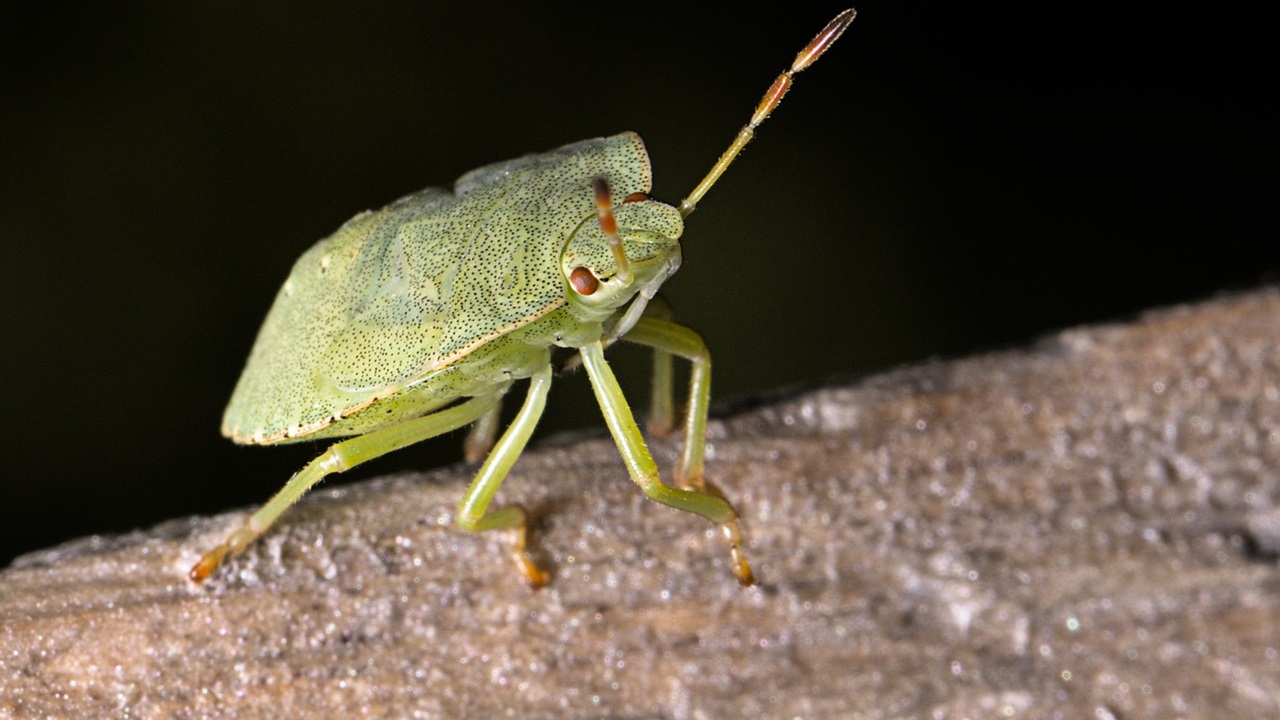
{"x":583,"y":281}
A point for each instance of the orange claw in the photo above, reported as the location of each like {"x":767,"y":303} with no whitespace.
{"x":535,"y":576}
{"x":208,"y":564}
{"x":232,"y":546}
{"x":741,"y":567}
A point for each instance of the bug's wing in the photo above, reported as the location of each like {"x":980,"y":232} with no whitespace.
{"x":409,"y":290}
{"x":284,"y":391}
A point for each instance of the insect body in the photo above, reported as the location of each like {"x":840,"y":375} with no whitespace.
{"x":414,"y":320}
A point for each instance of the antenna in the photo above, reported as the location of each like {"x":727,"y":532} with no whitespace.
{"x":772,"y":97}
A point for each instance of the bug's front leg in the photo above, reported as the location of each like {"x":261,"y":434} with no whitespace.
{"x":473,"y":512}
{"x":696,"y":499}
{"x":661,"y":420}
{"x":667,"y":339}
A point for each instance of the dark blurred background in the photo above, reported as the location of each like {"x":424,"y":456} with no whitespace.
{"x":952,"y":178}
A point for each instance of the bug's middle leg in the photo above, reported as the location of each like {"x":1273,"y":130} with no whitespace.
{"x":474,"y":514}
{"x":481,"y":436}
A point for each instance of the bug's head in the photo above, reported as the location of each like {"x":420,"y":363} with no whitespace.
{"x":623,"y":248}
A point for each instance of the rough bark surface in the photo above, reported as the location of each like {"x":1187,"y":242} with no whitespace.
{"x":1086,"y":528}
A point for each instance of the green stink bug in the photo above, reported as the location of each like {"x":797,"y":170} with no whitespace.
{"x":414,"y":320}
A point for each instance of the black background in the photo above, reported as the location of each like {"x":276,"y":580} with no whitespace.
{"x":951,"y":178}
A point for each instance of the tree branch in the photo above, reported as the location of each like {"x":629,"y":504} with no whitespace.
{"x":1089,"y":526}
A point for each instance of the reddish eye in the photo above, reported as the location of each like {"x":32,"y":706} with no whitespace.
{"x":583,"y":281}
{"x":636,"y":197}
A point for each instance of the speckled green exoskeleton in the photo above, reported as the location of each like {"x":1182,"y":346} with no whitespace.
{"x":414,"y":320}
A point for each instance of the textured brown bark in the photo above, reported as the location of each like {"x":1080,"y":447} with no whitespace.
{"x":1088,"y":527}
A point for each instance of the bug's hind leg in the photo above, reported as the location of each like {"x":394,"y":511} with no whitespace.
{"x":622,"y":425}
{"x":339,"y":457}
{"x":474,"y":514}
